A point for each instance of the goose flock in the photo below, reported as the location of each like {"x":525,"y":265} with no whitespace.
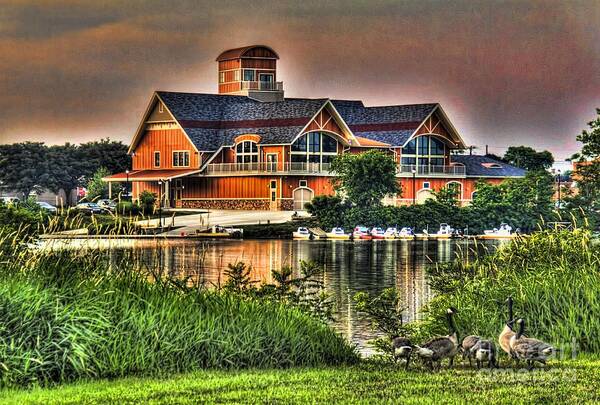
{"x":483,"y":351}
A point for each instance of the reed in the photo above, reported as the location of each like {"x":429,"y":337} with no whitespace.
{"x":553,"y":276}
{"x":66,"y":315}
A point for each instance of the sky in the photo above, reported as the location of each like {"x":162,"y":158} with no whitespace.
{"x":506,"y":72}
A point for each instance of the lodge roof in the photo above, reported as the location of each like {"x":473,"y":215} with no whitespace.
{"x":483,"y":166}
{"x":214,"y":120}
{"x":237,"y":53}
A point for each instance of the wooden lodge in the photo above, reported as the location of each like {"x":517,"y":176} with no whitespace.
{"x":249,"y":147}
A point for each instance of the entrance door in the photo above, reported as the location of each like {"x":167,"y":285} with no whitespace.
{"x":273,"y":194}
{"x":424,"y":195}
{"x":266,"y":81}
{"x":271,"y":162}
{"x":301,"y":197}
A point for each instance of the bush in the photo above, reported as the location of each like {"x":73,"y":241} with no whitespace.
{"x":127,"y":208}
{"x":147,"y":202}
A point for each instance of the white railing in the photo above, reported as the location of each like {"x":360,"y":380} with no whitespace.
{"x":262,"y":86}
{"x":451,"y":170}
{"x":266,"y":167}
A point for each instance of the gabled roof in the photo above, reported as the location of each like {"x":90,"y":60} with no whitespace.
{"x":483,"y":166}
{"x":237,"y":53}
{"x":393,"y":125}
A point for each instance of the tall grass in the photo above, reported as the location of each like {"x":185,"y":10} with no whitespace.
{"x":67,"y":315}
{"x":553,"y":276}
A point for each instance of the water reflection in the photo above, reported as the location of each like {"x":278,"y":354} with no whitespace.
{"x":350,"y":267}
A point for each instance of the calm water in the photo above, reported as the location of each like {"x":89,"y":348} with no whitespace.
{"x":350,"y":267}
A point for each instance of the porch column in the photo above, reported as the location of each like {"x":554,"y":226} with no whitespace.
{"x":110,"y":190}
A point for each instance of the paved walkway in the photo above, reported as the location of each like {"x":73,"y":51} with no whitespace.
{"x":190,"y":223}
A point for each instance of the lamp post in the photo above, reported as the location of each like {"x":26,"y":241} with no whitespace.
{"x":414,"y":183}
{"x":558,"y":189}
{"x":160,"y":196}
{"x":127,"y":182}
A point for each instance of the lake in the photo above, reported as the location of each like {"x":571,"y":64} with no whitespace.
{"x":349,"y":267}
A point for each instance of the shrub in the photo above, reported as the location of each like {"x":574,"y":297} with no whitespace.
{"x":147,"y":201}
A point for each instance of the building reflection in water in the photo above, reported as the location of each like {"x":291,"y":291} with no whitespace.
{"x":349,"y":267}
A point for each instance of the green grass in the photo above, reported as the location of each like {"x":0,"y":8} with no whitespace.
{"x":567,"y":382}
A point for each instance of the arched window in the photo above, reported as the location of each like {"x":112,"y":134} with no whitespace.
{"x":456,"y":187}
{"x":424,"y":150}
{"x":314,"y":147}
{"x":246,"y":152}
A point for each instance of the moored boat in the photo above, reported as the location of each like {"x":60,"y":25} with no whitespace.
{"x":377,"y":233}
{"x":406,"y":233}
{"x":391,"y":233}
{"x":445,"y":232}
{"x":503,"y":232}
{"x":303,"y":233}
{"x":338,"y":233}
{"x":362,"y":232}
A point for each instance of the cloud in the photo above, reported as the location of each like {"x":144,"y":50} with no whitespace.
{"x":506,"y":72}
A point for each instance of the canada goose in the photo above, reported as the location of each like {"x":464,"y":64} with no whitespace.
{"x":484,"y":350}
{"x":507,"y":332}
{"x":466,"y":346}
{"x":439,"y":348}
{"x":529,"y":349}
{"x":402,"y":349}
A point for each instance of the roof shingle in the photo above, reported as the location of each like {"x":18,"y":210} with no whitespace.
{"x":478,"y":166}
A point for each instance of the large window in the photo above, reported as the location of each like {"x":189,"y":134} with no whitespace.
{"x":424,"y":151}
{"x":181,"y":158}
{"x":248,"y":75}
{"x":314,"y":147}
{"x":246,"y":152}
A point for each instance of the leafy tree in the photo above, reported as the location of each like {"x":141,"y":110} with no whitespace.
{"x":111,"y":155}
{"x":65,"y":168}
{"x":528,"y":158}
{"x":329,"y":210}
{"x":587,"y":173}
{"x":448,"y":195}
{"x":365,"y":178}
{"x":24,"y":167}
{"x":96,"y":187}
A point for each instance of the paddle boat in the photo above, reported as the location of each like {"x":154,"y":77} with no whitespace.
{"x":378,"y":233}
{"x":406,"y":233}
{"x":445,"y":232}
{"x":362,"y":232}
{"x":303,"y":234}
{"x":503,"y":232}
{"x":338,"y":233}
{"x":391,"y":233}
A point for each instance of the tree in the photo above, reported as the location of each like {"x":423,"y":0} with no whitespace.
{"x":96,"y":187}
{"x":528,"y":158}
{"x":365,"y":178}
{"x":24,"y":167}
{"x":587,"y":173}
{"x":64,"y":168}
{"x":111,"y":155}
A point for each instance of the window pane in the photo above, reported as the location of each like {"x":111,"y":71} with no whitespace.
{"x":314,"y":158}
{"x":410,"y":148}
{"x":327,"y":158}
{"x":329,"y":144}
{"x":314,"y":143}
{"x":239,"y":159}
{"x":298,"y":158}
{"x":254,"y":147}
{"x":437,"y":147}
{"x":409,"y":161}
{"x":246,"y":158}
{"x":423,"y":161}
{"x":423,"y":145}
{"x":300,"y":144}
{"x":437,"y":161}
{"x":254,"y":158}
{"x":186,"y":156}
{"x":249,"y":75}
{"x":246,"y":146}
{"x":238,"y":149}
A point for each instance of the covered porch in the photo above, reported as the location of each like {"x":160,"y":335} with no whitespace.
{"x":166,"y":184}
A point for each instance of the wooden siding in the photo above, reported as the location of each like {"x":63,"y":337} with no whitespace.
{"x":259,"y":52}
{"x":259,"y":64}
{"x":165,"y":141}
{"x":157,"y":116}
{"x":229,"y":64}
{"x":435,"y":125}
{"x":226,"y":187}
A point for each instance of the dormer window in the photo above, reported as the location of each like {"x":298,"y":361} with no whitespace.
{"x":246,"y":152}
{"x":491,"y":165}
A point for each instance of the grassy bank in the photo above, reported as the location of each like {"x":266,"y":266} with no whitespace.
{"x":72,"y":315}
{"x":275,"y":231}
{"x":554,"y":278}
{"x":570,"y":382}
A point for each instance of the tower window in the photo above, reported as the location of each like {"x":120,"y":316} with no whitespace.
{"x":246,"y":152}
{"x":248,"y":75}
{"x":303,"y":183}
{"x":157,"y":159}
{"x":221,"y":77}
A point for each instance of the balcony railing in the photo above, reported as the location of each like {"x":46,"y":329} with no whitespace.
{"x":262,"y":86}
{"x":323,"y":169}
{"x":266,"y":167}
{"x":452,"y":170}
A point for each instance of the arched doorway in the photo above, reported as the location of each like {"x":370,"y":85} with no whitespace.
{"x":302,"y":195}
{"x":424,"y":195}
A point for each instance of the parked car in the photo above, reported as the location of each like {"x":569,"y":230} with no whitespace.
{"x":47,"y":207}
{"x":10,"y":200}
{"x":89,"y":208}
{"x":108,"y":205}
